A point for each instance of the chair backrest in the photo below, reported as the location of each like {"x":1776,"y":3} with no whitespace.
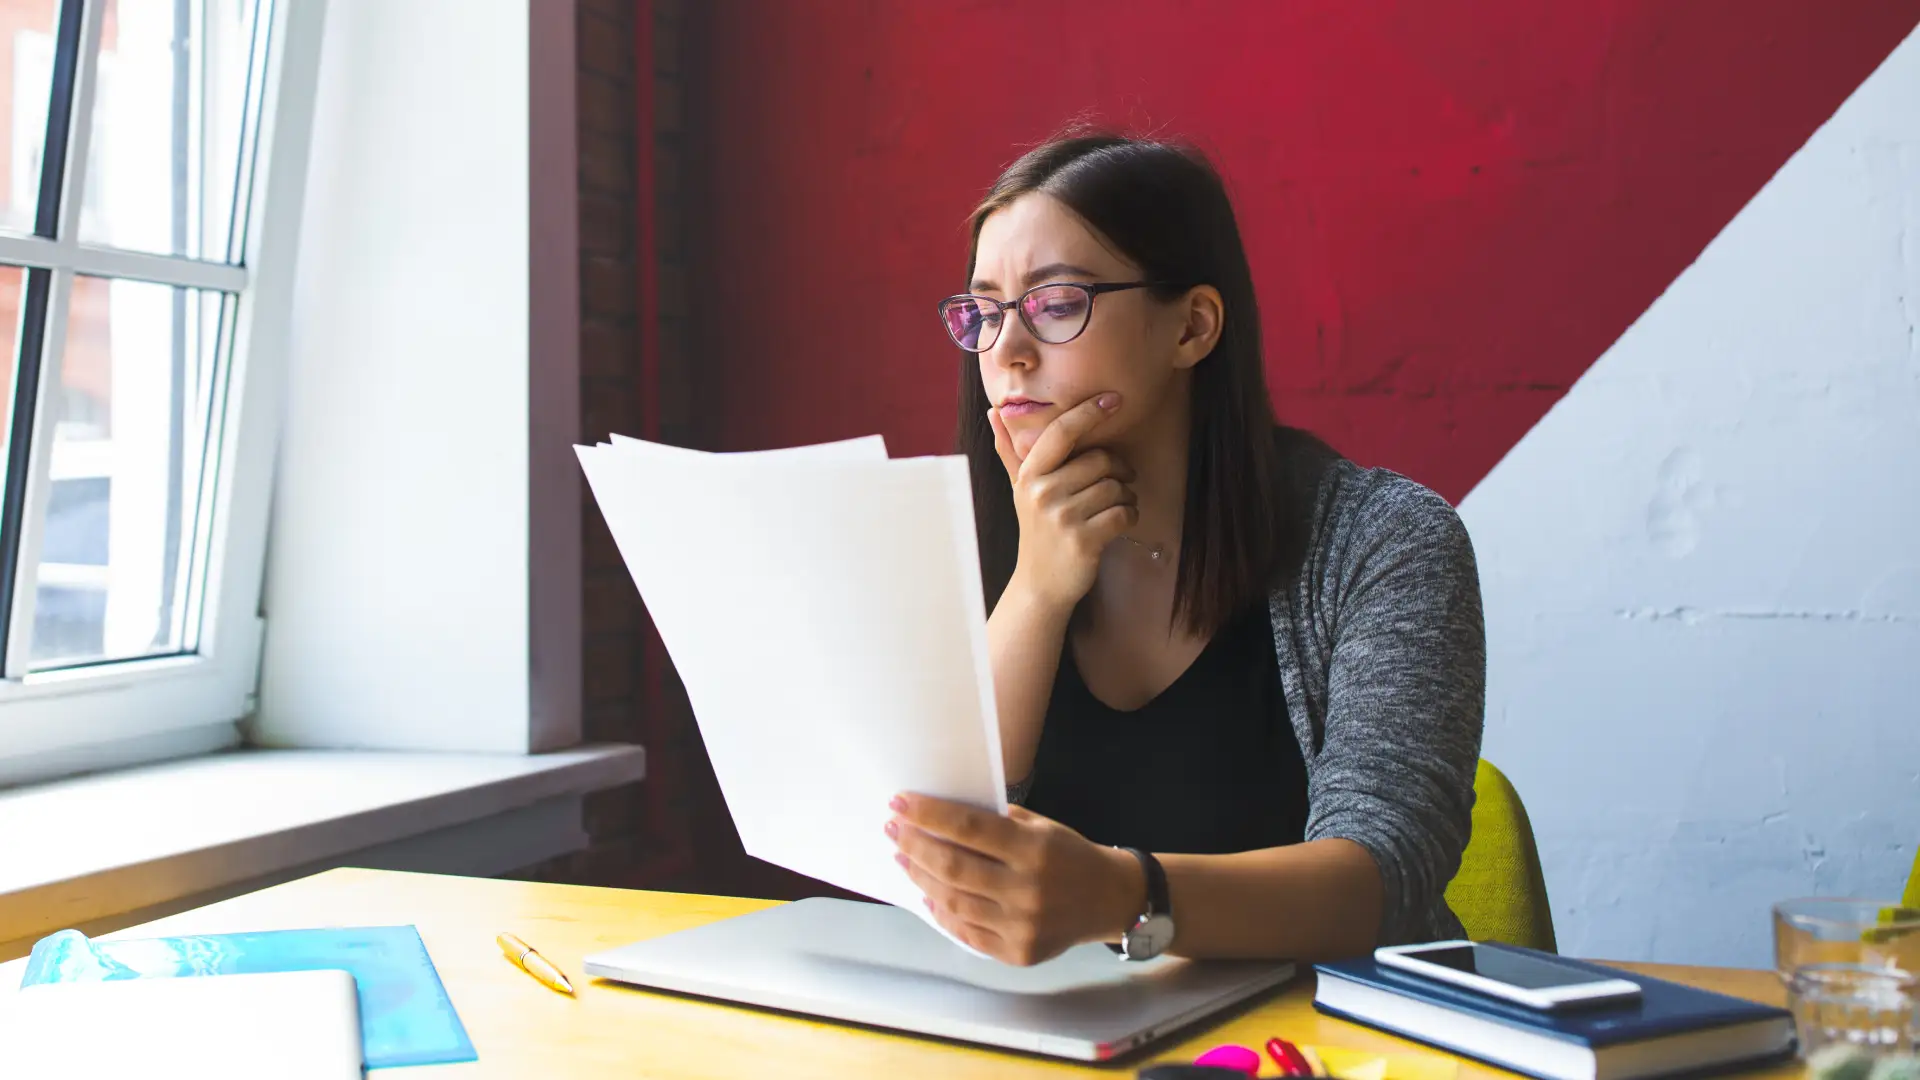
{"x":1500,"y":893}
{"x":1912,"y":898}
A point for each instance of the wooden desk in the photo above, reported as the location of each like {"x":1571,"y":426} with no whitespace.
{"x":521,"y":1029}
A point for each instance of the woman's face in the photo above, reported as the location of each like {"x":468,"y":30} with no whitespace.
{"x":1133,"y":344}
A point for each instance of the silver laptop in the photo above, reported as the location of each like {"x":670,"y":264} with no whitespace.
{"x":877,"y":964}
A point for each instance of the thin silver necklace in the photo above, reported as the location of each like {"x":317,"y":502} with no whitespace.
{"x":1156,"y":552}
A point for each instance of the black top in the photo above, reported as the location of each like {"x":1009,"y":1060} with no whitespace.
{"x":1209,"y":767}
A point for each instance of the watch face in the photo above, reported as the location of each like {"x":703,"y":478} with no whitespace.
{"x":1149,"y":937}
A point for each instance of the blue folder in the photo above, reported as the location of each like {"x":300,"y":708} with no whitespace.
{"x":406,"y":1017}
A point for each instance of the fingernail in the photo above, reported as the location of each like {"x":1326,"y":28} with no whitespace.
{"x":927,"y":900}
{"x":901,"y":858}
{"x":899,"y":803}
{"x":1107,"y":401}
{"x":893,"y":830}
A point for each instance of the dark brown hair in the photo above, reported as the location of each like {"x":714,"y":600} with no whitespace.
{"x":1165,"y":208}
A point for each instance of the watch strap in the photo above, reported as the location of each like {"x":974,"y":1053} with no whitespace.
{"x":1158,"y":901}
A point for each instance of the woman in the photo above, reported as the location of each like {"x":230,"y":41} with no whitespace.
{"x":1254,"y":666}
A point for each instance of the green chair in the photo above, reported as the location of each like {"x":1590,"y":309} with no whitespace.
{"x":1912,"y":899}
{"x":1499,"y":892}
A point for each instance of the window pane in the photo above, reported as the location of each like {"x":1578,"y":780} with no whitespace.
{"x":13,"y":289}
{"x":129,"y":446}
{"x":165,"y":148}
{"x":26,"y":52}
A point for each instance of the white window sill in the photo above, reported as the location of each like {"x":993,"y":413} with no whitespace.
{"x":104,"y":851}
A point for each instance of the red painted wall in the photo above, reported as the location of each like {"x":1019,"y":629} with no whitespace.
{"x":1452,"y":207}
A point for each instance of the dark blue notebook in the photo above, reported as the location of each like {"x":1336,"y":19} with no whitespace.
{"x":1670,"y":1028}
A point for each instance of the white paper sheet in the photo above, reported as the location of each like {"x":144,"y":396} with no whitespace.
{"x":290,"y":1025}
{"x":823,"y":608}
{"x":864,"y":448}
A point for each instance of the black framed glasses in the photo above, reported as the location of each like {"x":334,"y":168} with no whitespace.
{"x":1054,"y":313}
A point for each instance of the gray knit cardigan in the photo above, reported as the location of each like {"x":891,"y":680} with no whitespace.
{"x":1383,"y":659}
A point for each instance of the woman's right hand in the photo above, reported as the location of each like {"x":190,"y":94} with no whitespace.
{"x":1070,"y":505}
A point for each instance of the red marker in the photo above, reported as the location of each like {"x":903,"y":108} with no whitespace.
{"x":1288,"y":1056}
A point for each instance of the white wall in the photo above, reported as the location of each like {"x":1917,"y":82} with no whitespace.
{"x":422,"y":396}
{"x":1702,"y":571}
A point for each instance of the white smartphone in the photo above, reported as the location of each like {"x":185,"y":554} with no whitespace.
{"x":1509,"y":974}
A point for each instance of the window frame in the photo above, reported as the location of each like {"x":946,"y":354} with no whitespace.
{"x":55,"y":716}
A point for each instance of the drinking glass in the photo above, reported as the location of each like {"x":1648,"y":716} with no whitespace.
{"x":1852,"y":972}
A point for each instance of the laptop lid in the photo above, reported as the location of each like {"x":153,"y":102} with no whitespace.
{"x":877,"y":964}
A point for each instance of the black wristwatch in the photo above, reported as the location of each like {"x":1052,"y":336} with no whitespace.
{"x":1152,"y":932}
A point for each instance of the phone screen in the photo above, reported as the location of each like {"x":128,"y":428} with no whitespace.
{"x":1514,"y":969}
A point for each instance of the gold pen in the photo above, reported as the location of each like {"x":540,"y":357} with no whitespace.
{"x":533,"y":963}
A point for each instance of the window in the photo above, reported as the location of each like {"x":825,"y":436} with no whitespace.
{"x":130,"y":210}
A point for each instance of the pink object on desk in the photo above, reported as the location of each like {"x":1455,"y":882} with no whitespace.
{"x":1231,"y":1057}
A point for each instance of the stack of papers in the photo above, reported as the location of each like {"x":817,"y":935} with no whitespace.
{"x":823,"y":607}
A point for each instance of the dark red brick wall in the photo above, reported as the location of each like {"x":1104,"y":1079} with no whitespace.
{"x":637,"y":121}
{"x":1450,"y":209}
{"x":637,"y":832}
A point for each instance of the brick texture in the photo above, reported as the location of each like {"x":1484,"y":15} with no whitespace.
{"x":610,"y":397}
{"x":672,"y":831}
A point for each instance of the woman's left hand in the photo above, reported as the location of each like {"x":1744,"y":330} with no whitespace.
{"x":1020,"y":888}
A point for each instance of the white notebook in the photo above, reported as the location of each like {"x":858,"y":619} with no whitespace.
{"x":296,"y":1025}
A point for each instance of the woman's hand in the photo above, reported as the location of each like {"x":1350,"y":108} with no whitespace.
{"x":1070,"y":506}
{"x":1021,"y":888}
